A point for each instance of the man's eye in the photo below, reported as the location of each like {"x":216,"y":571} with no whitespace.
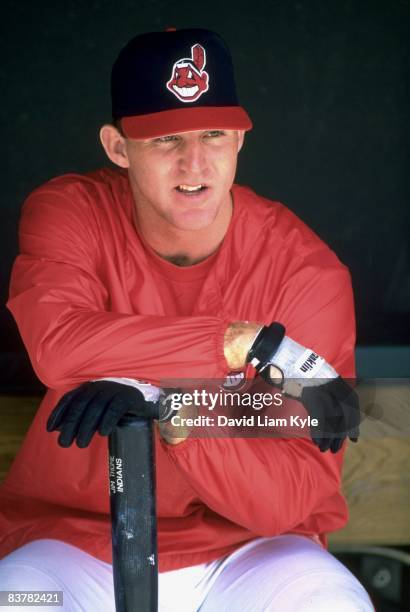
{"x":214,"y":133}
{"x":169,"y":138}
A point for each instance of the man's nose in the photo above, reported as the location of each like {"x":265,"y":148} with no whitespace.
{"x":193,"y":157}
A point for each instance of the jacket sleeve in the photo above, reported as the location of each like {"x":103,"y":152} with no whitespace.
{"x":272,"y":485}
{"x":269,"y":486}
{"x":62,"y":309}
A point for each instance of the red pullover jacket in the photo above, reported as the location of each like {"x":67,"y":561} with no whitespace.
{"x":87,"y":305}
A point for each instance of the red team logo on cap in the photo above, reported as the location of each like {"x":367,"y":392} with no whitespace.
{"x":189,"y":79}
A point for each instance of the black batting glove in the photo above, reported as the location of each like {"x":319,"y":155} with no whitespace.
{"x":336,"y":407}
{"x":96,"y":406}
{"x":304,"y":375}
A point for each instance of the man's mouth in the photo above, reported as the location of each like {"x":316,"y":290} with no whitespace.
{"x":191,"y":189}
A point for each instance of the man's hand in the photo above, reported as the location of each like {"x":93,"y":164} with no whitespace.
{"x":336,"y":407}
{"x":306,"y":376}
{"x":97,"y":406}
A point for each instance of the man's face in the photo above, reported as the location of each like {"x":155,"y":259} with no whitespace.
{"x":184,"y":179}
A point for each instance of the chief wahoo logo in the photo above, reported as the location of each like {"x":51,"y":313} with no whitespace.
{"x":189,"y":80}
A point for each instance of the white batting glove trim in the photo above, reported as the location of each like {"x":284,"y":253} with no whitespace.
{"x":297,"y":361}
{"x":299,"y":367}
{"x":150,"y":392}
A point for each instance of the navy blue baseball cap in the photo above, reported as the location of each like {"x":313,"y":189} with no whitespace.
{"x":175,"y":81}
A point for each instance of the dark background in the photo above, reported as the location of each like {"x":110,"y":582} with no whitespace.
{"x":324,"y":82}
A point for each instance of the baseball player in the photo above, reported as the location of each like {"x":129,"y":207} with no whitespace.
{"x":162,"y":268}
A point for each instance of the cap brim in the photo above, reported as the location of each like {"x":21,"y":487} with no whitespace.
{"x":186,"y":120}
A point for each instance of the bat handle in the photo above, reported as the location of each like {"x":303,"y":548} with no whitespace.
{"x":133,"y":515}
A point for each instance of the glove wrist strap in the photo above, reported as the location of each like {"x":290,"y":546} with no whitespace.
{"x":150,"y":392}
{"x":265,"y":345}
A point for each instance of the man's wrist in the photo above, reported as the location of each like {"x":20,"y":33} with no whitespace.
{"x":238,"y":339}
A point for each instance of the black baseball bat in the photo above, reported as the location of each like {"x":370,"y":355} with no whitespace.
{"x":133,"y":509}
{"x":133,"y":515}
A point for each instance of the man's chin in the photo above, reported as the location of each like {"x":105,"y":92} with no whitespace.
{"x":194,"y":220}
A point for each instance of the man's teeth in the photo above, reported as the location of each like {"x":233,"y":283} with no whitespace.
{"x":189,"y":187}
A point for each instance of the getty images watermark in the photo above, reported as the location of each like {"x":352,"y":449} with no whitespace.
{"x":234,"y":407}
{"x":242,"y":408}
{"x":222,"y":399}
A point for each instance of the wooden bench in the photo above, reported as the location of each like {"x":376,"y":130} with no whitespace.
{"x":376,"y":478}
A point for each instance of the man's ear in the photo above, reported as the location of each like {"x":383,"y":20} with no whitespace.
{"x":114,"y":145}
{"x":241,"y":138}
